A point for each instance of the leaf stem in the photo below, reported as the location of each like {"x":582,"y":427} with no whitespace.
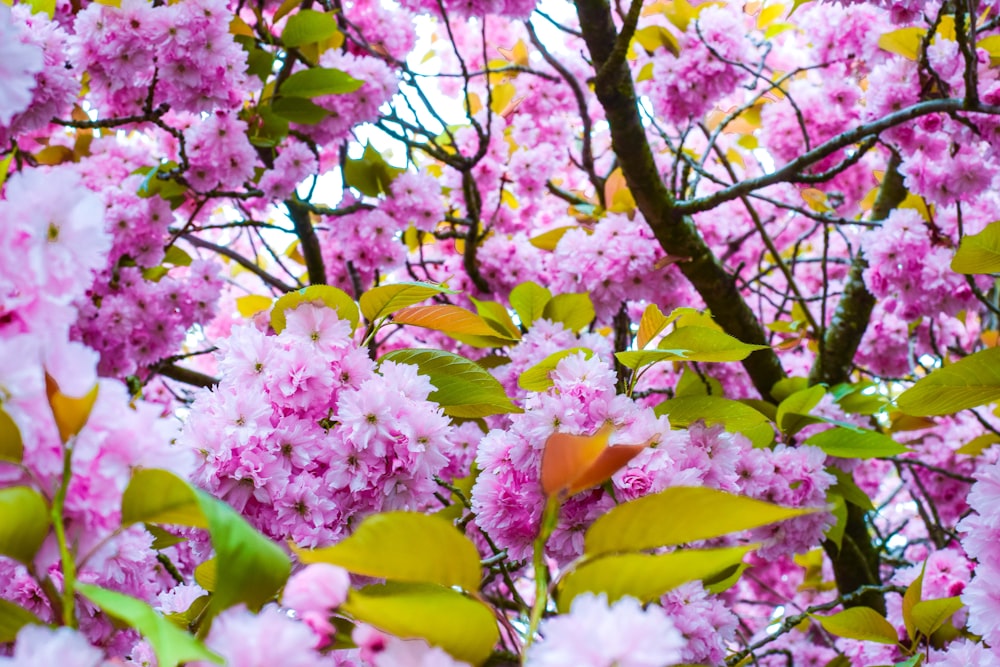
{"x":550,"y":517}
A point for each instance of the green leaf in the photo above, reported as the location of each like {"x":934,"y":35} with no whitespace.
{"x":47,"y":7}
{"x":734,"y":416}
{"x":910,"y":599}
{"x":405,"y":546}
{"x":856,"y":443}
{"x":645,"y":577}
{"x":696,"y":513}
{"x":979,"y":444}
{"x":13,"y":618}
{"x":847,"y":488}
{"x":5,"y":167}
{"x":496,"y":315}
{"x":636,"y":359}
{"x":156,"y":496}
{"x":536,"y":378}
{"x":979,"y":253}
{"x":11,"y":443}
{"x":859,"y":623}
{"x":255,"y":567}
{"x":707,"y":344}
{"x":299,"y":110}
{"x":575,"y":311}
{"x":463,"y":627}
{"x":464,"y":389}
{"x":25,"y":522}
{"x":693,"y":384}
{"x":793,"y":412}
{"x":835,"y":533}
{"x":308,"y":27}
{"x":172,"y":645}
{"x":967,"y":383}
{"x":929,"y":615}
{"x":370,"y":174}
{"x":176,"y":256}
{"x":322,"y":295}
{"x":319,"y":81}
{"x":385,"y":300}
{"x":162,"y":538}
{"x":529,"y":300}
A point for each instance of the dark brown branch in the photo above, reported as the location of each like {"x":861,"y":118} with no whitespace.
{"x":186,"y":375}
{"x":308,"y":240}
{"x":675,"y":231}
{"x":241,"y":260}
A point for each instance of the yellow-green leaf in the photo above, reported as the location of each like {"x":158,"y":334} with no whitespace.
{"x":979,"y":253}
{"x":11,"y":443}
{"x":25,"y":522}
{"x":13,"y":618}
{"x":320,"y":295}
{"x":155,"y":496}
{"x":496,"y":315}
{"x":911,"y":597}
{"x":463,"y":627}
{"x":536,"y":378}
{"x":855,"y":443}
{"x":463,"y":387}
{"x":654,"y":36}
{"x":636,"y":359}
{"x":645,"y":577}
{"x":979,"y":444}
{"x":734,"y":416}
{"x":707,"y":344}
{"x":550,"y":239}
{"x":528,"y":300}
{"x":793,"y":412}
{"x":385,"y":300}
{"x":307,"y":27}
{"x":859,"y":623}
{"x":696,"y":513}
{"x":575,"y":311}
{"x":405,"y":546}
{"x":929,"y":615}
{"x":967,"y":383}
{"x":172,"y":645}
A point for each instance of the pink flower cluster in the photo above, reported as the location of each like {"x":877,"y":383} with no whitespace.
{"x":598,"y":634}
{"x":618,"y":261}
{"x":981,"y":534}
{"x":507,"y":497}
{"x":684,"y":87}
{"x":219,"y":153}
{"x":366,"y":242}
{"x":34,"y":91}
{"x":910,"y":271}
{"x":184,"y":49}
{"x":304,"y":437}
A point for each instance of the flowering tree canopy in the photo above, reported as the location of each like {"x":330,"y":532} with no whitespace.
{"x":487,"y":332}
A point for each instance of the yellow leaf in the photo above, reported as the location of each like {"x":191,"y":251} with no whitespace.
{"x":53,"y":155}
{"x":71,"y":413}
{"x":816,"y":199}
{"x":646,"y":73}
{"x":991,"y":45}
{"x":769,"y":14}
{"x":550,"y":239}
{"x":251,"y":304}
{"x":239,"y":27}
{"x":449,"y":319}
{"x":904,"y":42}
{"x":501,"y":97}
{"x":653,"y":37}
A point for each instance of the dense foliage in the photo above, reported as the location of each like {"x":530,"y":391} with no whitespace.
{"x":481,"y":332}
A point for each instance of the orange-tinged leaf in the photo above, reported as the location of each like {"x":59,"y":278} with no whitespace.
{"x":652,"y":323}
{"x":449,"y":319}
{"x":566,"y":458}
{"x":71,"y":413}
{"x":611,"y":460}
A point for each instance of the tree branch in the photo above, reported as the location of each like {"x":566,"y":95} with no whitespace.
{"x":308,"y":240}
{"x":676,"y":232}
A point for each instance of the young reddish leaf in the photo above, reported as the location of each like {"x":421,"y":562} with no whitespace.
{"x":448,"y":319}
{"x":573,"y":463}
